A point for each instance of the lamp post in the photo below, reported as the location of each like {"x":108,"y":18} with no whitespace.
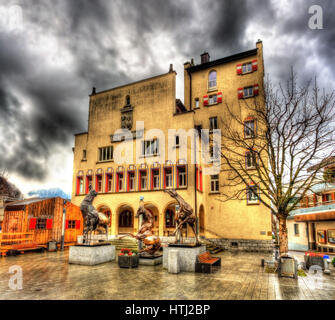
{"x":63,"y":225}
{"x":140,"y":219}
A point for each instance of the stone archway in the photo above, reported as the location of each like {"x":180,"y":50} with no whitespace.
{"x":169,"y":219}
{"x":107,"y":211}
{"x":125,"y":219}
{"x":155,"y":213}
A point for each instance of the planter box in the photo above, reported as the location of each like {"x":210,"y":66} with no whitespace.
{"x":128,"y":261}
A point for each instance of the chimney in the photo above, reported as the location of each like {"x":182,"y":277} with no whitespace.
{"x":93,"y":91}
{"x":171,"y":68}
{"x":205,"y":57}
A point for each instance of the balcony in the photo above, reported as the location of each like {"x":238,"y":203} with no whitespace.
{"x":324,"y":206}
{"x":319,"y":211}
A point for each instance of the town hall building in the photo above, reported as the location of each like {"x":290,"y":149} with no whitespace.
{"x":241,"y":224}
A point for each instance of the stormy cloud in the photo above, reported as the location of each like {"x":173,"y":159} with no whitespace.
{"x":63,"y":48}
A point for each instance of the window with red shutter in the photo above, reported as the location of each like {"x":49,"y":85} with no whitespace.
{"x":206,"y":100}
{"x":66,"y":224}
{"x":240,"y":93}
{"x":77,"y":224}
{"x":254,"y":65}
{"x":256,"y":90}
{"x":239,"y":69}
{"x":219,"y":98}
{"x":32,"y":223}
{"x":49,"y":224}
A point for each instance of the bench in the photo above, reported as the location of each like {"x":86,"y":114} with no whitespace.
{"x":205,"y":262}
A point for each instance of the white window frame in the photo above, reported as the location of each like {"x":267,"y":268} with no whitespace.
{"x":212,"y":83}
{"x":121,"y":182}
{"x":106,"y":154}
{"x":196,"y":103}
{"x":131,"y":180}
{"x":215,"y":183}
{"x":247,"y":67}
{"x":213,"y":123}
{"x":249,"y":128}
{"x":155,"y":179}
{"x":182,"y":176}
{"x":168,"y":177}
{"x":248,"y":92}
{"x":253,"y":156}
{"x":253,"y":200}
{"x":212,"y":99}
{"x":150,"y":148}
{"x":145,"y":185}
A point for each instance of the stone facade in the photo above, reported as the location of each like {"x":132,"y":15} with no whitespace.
{"x":153,"y":101}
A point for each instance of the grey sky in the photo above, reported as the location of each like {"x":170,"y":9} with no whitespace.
{"x":50,"y":62}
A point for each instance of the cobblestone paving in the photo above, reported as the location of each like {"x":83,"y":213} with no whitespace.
{"x":49,"y":276}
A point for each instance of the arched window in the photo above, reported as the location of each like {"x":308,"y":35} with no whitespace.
{"x":127,"y":100}
{"x":212,"y":80}
{"x":169,"y":218}
{"x":126,"y":219}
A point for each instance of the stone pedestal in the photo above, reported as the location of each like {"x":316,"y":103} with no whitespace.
{"x":173,"y":262}
{"x":151,"y":260}
{"x":187,"y":256}
{"x":91,"y":255}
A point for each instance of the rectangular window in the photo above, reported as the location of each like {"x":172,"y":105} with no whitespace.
{"x":182,"y":178}
{"x":177,"y":141}
{"x":247,"y":67}
{"x":71,"y":224}
{"x":248,"y":92}
{"x":109,"y":183}
{"x":84,"y":154}
{"x":106,"y":153}
{"x":155,"y":179}
{"x":143,"y":180}
{"x":150,"y":147}
{"x":249,"y":129}
{"x":89,"y":181}
{"x":120,"y":182}
{"x":213,"y":123}
{"x":98,"y":186}
{"x":250,"y":160}
{"x":80,"y":185}
{"x":327,"y":198}
{"x":131,"y":181}
{"x":252,"y":194}
{"x":331,"y":236}
{"x":215,"y":183}
{"x":213,"y":99}
{"x":321,"y":236}
{"x":196,"y":103}
{"x":168,"y":178}
{"x":296,"y":229}
{"x":41,"y":224}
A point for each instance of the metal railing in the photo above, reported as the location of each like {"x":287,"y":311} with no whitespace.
{"x":320,"y":206}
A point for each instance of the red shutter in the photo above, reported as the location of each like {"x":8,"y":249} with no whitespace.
{"x":96,"y":183}
{"x":78,"y":185}
{"x":128,"y":181}
{"x":239,"y":69}
{"x":106,"y":183}
{"x":32,"y":223}
{"x":256,"y":90}
{"x":240,"y":93}
{"x":49,"y":224}
{"x":254,"y":65}
{"x":77,"y":224}
{"x":201,"y":180}
{"x":117,"y":182}
{"x":87,"y":185}
{"x":66,"y":224}
{"x":219,"y":97}
{"x":206,"y":100}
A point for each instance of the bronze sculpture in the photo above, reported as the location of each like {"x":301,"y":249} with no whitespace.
{"x":184,"y":216}
{"x":152,"y":242}
{"x":93,"y":220}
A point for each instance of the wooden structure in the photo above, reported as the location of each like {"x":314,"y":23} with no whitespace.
{"x":205,"y":262}
{"x":32,"y":223}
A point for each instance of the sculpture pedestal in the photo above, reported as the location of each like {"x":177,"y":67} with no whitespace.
{"x":187,"y":255}
{"x":149,"y":260}
{"x":91,"y":255}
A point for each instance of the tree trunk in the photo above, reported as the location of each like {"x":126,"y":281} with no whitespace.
{"x":283,"y":241}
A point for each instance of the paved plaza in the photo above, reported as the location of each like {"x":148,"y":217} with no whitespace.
{"x":49,"y":276}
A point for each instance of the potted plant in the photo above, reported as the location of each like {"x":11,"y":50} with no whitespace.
{"x":128,"y":258}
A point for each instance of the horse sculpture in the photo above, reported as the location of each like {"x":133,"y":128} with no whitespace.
{"x":93,"y":220}
{"x":184,"y":216}
{"x":145,"y":234}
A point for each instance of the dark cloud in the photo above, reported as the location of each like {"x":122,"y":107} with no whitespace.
{"x":43,"y":102}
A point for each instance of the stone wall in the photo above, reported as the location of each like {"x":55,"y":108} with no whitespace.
{"x":233,"y":244}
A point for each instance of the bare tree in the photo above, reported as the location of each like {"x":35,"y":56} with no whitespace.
{"x":270,"y":141}
{"x":7,"y":189}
